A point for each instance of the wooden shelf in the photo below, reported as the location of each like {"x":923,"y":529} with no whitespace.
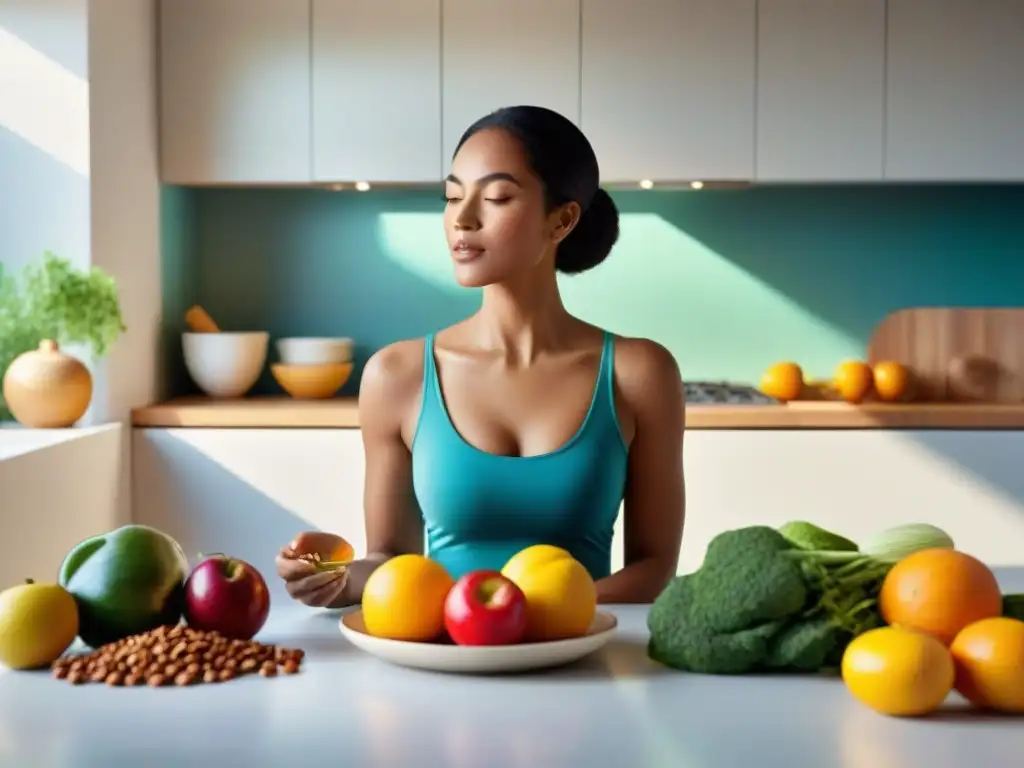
{"x":342,"y":413}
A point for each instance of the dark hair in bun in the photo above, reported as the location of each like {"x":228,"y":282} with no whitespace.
{"x":565,"y":162}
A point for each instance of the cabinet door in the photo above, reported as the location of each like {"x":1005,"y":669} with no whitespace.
{"x":668,"y":88}
{"x":377,"y":90}
{"x":248,"y":491}
{"x":234,"y":90}
{"x":820,"y":90}
{"x":956,"y":90}
{"x":502,"y":54}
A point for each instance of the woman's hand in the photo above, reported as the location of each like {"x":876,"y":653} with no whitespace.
{"x":317,"y":589}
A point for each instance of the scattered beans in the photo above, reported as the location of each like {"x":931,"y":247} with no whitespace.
{"x":176,"y":655}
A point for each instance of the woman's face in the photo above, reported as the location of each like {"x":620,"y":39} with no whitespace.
{"x":495,"y":218}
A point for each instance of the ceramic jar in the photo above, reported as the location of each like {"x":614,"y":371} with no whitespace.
{"x":47,"y":388}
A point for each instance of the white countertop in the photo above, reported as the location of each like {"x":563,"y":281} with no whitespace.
{"x":616,"y":708}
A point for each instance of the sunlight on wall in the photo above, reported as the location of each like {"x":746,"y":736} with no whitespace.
{"x":44,"y":103}
{"x":671,"y":288}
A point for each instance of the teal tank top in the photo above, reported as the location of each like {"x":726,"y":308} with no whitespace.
{"x":480,"y":508}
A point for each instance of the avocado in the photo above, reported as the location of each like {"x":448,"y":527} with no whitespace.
{"x":127,"y":581}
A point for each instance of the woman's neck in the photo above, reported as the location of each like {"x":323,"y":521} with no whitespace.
{"x":522,"y":318}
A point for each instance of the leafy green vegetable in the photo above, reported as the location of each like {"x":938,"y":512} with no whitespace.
{"x":721,"y":618}
{"x":52,"y":299}
{"x":893,"y":544}
{"x":742,"y":581}
{"x":804,"y":646}
{"x":846,"y":594}
{"x":1013,"y":606}
{"x":759,"y":603}
{"x":681,"y":637}
{"x":804,"y":535}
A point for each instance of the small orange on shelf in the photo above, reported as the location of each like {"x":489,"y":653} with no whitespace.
{"x":892,"y":380}
{"x":783,"y":381}
{"x":853,"y":380}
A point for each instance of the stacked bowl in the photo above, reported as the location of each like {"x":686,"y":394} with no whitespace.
{"x":313,"y":368}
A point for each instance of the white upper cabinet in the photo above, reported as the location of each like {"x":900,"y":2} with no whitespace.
{"x":668,"y":88}
{"x":956,"y":90}
{"x":499,"y":53}
{"x":820,"y":90}
{"x":234,"y":91}
{"x":377,"y":90}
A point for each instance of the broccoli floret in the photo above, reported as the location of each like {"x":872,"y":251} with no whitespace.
{"x":804,"y":646}
{"x":721,"y":618}
{"x":680,"y":640}
{"x":744,"y":582}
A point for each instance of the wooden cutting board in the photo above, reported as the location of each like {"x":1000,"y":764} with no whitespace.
{"x":959,"y":355}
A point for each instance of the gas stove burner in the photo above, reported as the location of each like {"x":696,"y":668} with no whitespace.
{"x":715,"y":392}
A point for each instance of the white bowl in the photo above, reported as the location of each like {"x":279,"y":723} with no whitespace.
{"x":314,"y":351}
{"x":225,"y":364}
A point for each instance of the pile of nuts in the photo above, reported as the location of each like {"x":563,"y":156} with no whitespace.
{"x":177,"y":655}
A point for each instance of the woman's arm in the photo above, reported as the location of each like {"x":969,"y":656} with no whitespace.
{"x":389,"y":393}
{"x":655,"y":498}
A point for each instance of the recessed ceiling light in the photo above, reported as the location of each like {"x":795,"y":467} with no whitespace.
{"x":697,"y":185}
{"x":362,"y":186}
{"x":646,"y":184}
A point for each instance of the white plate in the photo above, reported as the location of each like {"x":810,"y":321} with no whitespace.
{"x":480,"y":659}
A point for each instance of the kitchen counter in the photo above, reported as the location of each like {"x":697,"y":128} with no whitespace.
{"x":343,"y":413}
{"x":616,"y":708}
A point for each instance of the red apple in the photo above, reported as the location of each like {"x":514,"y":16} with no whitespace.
{"x":226,"y":595}
{"x":485,"y":608}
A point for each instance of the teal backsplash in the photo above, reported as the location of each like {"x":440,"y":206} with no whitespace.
{"x":729,"y":280}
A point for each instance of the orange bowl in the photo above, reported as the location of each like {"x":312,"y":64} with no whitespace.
{"x":311,"y":382}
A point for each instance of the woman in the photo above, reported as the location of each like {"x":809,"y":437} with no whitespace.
{"x":521,"y":424}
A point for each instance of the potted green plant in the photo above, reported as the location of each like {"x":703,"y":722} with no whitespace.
{"x":53,"y":301}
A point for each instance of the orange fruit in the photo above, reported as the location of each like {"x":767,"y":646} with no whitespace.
{"x":561,"y":598}
{"x":853,"y":380}
{"x":892,"y":380}
{"x":989,"y":657}
{"x":939,"y":592}
{"x":898,"y":671}
{"x":404,"y":599}
{"x":783,"y":381}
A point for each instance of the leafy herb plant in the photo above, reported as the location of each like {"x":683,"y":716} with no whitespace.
{"x":53,"y":299}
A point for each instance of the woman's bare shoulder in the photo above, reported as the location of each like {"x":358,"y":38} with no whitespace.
{"x":391,"y":382}
{"x":647,"y":373}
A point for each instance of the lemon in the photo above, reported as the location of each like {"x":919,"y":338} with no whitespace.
{"x":38,"y":622}
{"x":898,"y":672}
{"x":561,"y":598}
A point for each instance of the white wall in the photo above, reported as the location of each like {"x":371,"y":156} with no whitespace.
{"x":126,"y":193}
{"x":44,"y":130}
{"x":79,"y":176}
{"x":57,"y":487}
